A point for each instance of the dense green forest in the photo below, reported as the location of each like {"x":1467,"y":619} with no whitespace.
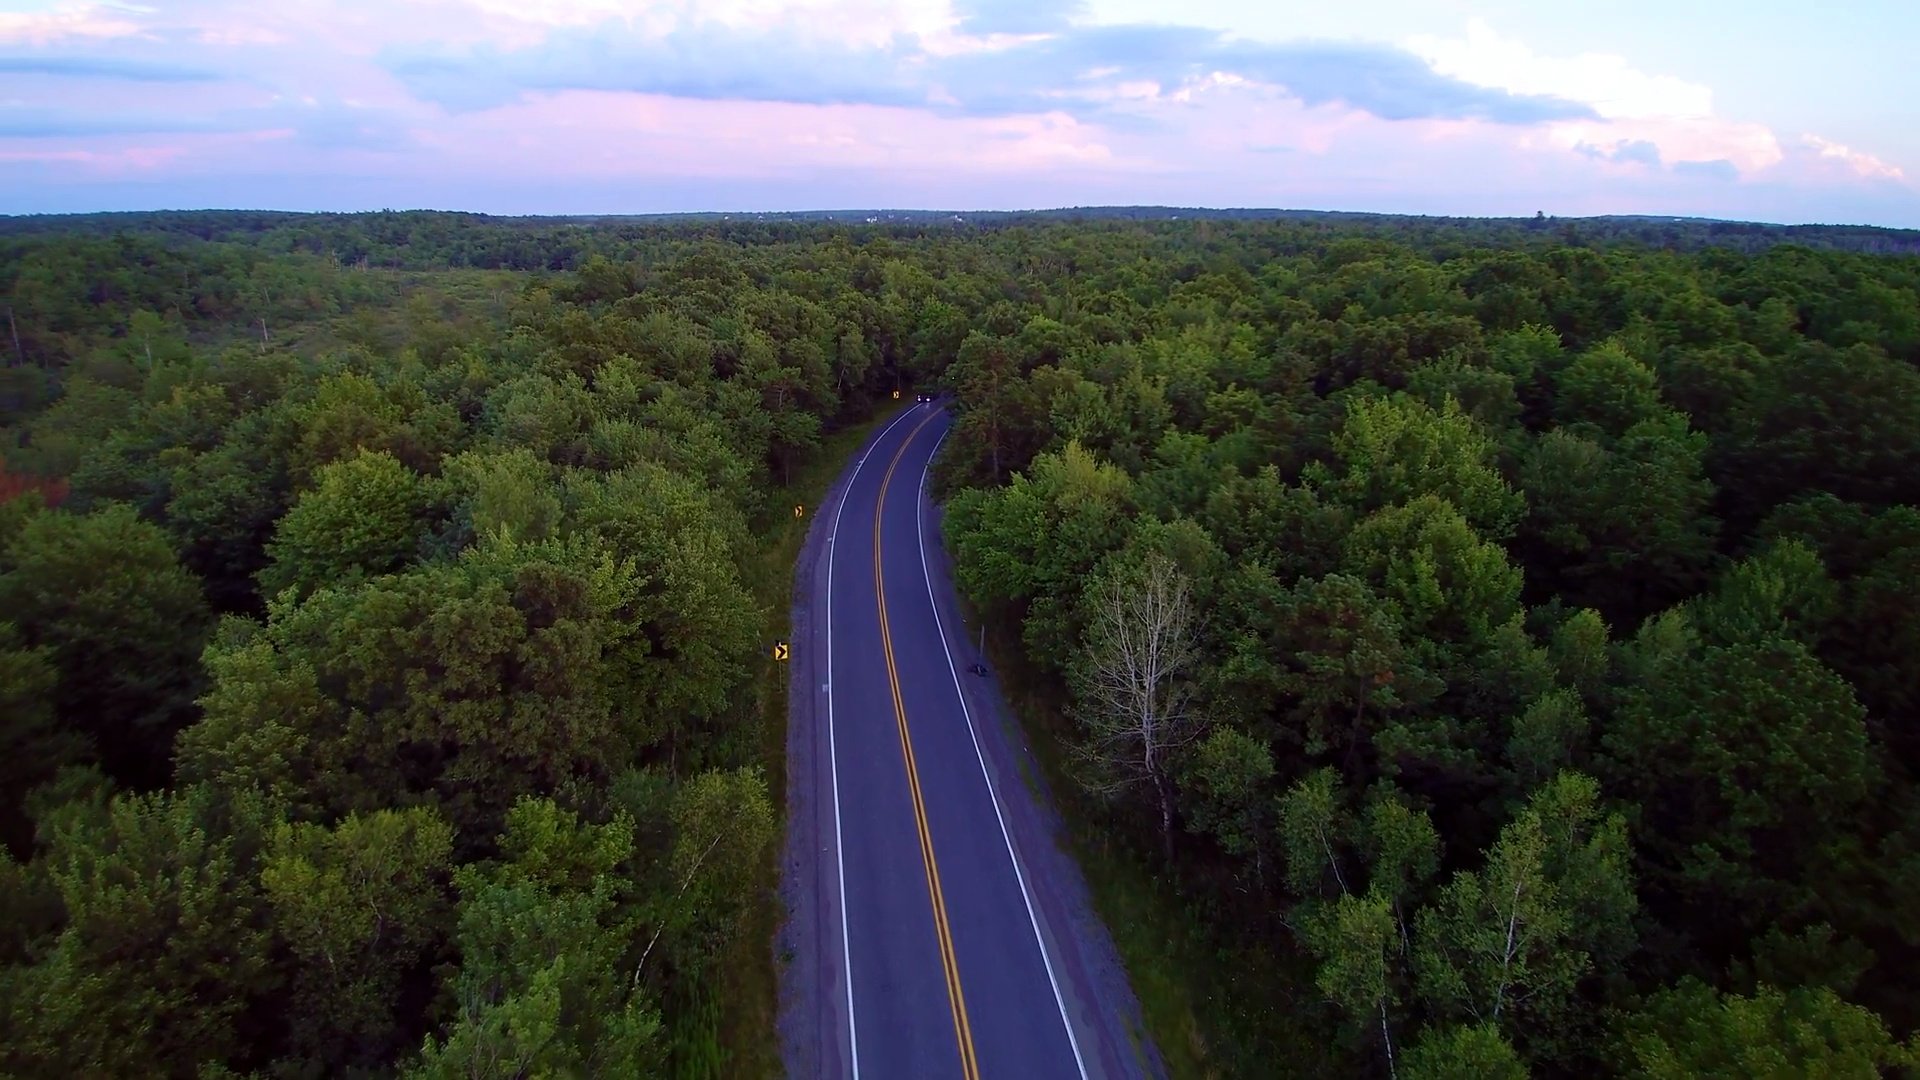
{"x":1540,"y":690}
{"x":385,"y":655}
{"x":383,"y":616}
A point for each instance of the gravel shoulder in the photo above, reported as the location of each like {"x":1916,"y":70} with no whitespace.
{"x":812,"y":1015}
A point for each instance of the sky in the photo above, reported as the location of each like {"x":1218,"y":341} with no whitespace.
{"x":1765,"y":110}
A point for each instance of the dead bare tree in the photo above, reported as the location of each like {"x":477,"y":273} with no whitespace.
{"x":19,"y":353}
{"x":1133,"y":687}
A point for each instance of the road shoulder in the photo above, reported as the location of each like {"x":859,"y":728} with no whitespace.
{"x":812,"y":1023}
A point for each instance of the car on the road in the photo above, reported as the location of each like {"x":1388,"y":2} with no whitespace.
{"x":922,"y":398}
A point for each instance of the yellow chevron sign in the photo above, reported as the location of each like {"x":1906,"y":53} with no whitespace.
{"x":780,"y":650}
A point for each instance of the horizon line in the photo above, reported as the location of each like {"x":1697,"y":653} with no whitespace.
{"x":830,"y":212}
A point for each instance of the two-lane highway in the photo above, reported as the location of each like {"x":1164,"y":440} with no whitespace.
{"x":932,"y":943}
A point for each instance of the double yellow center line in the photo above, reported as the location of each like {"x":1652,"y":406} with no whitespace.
{"x":969,"y":1064}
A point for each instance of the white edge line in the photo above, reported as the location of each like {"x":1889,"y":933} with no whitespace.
{"x":833,"y":754}
{"x":920,"y":525}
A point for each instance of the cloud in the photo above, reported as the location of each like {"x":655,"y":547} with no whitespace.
{"x":1015,"y":16}
{"x":1750,"y":147}
{"x":324,"y":125}
{"x":239,"y":36}
{"x":556,"y":12}
{"x":609,"y":105}
{"x":108,"y":161}
{"x":49,"y":124}
{"x":1086,"y":71}
{"x":333,"y":125}
{"x":1637,"y":116}
{"x":1613,"y":88}
{"x":526,"y":23}
{"x":651,"y":140}
{"x":1645,"y":118}
{"x":1639,"y":151}
{"x":105,"y":67}
{"x":1722,"y":169}
{"x":1391,"y":84}
{"x":64,"y":22}
{"x":1865,"y":165}
{"x":705,"y":63}
{"x":1634,"y":116}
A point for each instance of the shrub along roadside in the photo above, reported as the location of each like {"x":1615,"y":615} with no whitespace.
{"x":1207,"y":1018}
{"x":747,"y":981}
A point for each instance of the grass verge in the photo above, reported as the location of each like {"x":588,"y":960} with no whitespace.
{"x":747,"y":980}
{"x":1213,"y":1006}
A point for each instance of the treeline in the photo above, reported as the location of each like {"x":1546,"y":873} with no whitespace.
{"x":398,"y":710}
{"x":1511,"y":655}
{"x":442,"y":240}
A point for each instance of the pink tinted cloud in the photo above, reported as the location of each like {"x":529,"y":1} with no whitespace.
{"x":65,"y":22}
{"x":1861,"y":164}
{"x":101,"y":162}
{"x":614,"y":134}
{"x":313,"y":96}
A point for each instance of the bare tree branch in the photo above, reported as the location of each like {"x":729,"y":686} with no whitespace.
{"x":1135,"y":693}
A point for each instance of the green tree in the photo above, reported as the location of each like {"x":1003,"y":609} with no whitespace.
{"x":1345,"y":666}
{"x":998,"y":411}
{"x":88,"y":413}
{"x":347,"y":412}
{"x":1693,"y":1030}
{"x":221,"y":510}
{"x":32,"y":743}
{"x":700,"y":625}
{"x":358,"y":905}
{"x":1582,"y":656}
{"x":162,"y":950}
{"x":1294,"y":531}
{"x":365,"y":516}
{"x":1358,"y":947}
{"x":1226,"y":786}
{"x":1485,"y":394}
{"x":1842,"y":421}
{"x":512,"y":493}
{"x":513,"y":669}
{"x":543,"y":988}
{"x":723,"y":828}
{"x":1507,"y":944}
{"x":1622,"y":526}
{"x":1316,"y":825}
{"x":1607,"y":390}
{"x":1403,"y":854}
{"x":1463,"y":1052}
{"x":1549,"y":737}
{"x":1033,"y":544}
{"x":1744,"y":757}
{"x":1393,"y":451}
{"x":124,"y":625}
{"x":1452,"y":589}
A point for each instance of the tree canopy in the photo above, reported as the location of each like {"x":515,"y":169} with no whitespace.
{"x":382,"y":601}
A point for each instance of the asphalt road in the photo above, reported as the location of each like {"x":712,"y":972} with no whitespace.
{"x":937,"y":930}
